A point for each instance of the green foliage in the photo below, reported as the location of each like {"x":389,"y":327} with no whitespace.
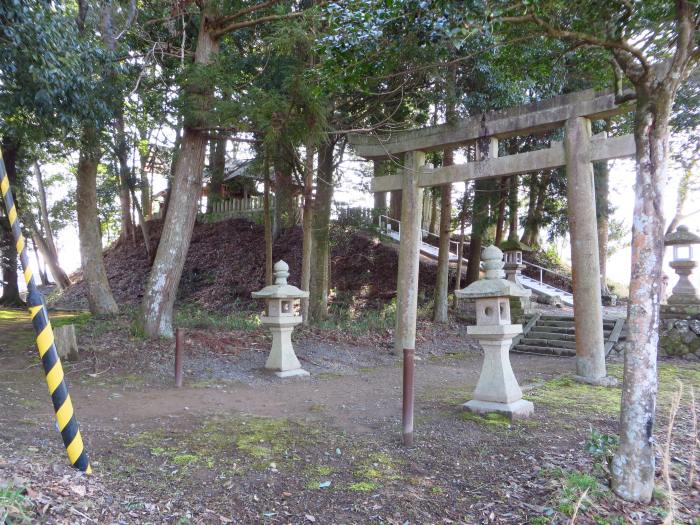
{"x":51,"y":73}
{"x":14,"y":506}
{"x":192,"y":316}
{"x":601,"y":445}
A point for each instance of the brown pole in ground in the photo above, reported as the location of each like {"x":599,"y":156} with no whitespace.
{"x":179,"y":349}
{"x":408,"y":367}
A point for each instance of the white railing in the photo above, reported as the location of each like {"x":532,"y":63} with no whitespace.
{"x":251,"y":204}
{"x":387,"y":224}
{"x":542,"y":271}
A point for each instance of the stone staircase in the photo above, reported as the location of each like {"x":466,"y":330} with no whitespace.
{"x":546,"y":334}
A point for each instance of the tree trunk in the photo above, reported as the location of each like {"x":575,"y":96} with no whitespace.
{"x":480,"y":223}
{"x":44,"y":212}
{"x":307,"y":225}
{"x":217,"y":167}
{"x":529,"y":225}
{"x":99,"y":294}
{"x":513,"y":208}
{"x":442,"y":285}
{"x":143,"y":223}
{"x":10,"y":286}
{"x":164,"y":279}
{"x":633,"y":464}
{"x":380,"y":205}
{"x":51,"y":260}
{"x":432,"y":225}
{"x":41,"y":267}
{"x":481,"y":215}
{"x":320,"y":278}
{"x":539,"y":209}
{"x":601,"y":177}
{"x":460,"y":256}
{"x":127,"y":231}
{"x":144,"y":183}
{"x":395,"y":204}
{"x":285,"y":206}
{"x":267,"y":223}
{"x":501,"y":217}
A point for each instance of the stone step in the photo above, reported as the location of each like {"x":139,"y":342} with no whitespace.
{"x":557,"y":317}
{"x":570,"y":330}
{"x":536,"y":341}
{"x":543,"y":334}
{"x":544,"y":350}
{"x":556,"y":322}
{"x":554,"y":329}
{"x":608,"y":323}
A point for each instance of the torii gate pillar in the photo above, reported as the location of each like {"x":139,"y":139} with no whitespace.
{"x":585,"y":264}
{"x":409,"y":252}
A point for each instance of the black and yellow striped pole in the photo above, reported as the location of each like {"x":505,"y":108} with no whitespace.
{"x":67,"y":422}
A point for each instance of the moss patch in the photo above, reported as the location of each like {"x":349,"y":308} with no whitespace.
{"x":377,"y":466}
{"x":239,"y":444}
{"x":16,"y":329}
{"x":570,"y":397}
{"x":491,"y":419}
{"x":363,"y":486}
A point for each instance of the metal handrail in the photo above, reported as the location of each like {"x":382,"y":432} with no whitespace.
{"x":542,"y":269}
{"x":385,"y":219}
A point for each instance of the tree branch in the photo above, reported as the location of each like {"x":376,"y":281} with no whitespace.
{"x":129,"y":19}
{"x":685,"y":44}
{"x":251,"y":23}
{"x":243,"y":12}
{"x":577,"y":36}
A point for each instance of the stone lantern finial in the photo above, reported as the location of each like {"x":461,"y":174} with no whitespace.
{"x":281,"y":272}
{"x":493,"y":262}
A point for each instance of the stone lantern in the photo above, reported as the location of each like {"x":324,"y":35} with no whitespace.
{"x":281,"y":301}
{"x":513,"y":257}
{"x":683,"y":263}
{"x":497,"y":389}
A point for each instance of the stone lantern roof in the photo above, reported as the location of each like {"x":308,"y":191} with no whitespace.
{"x":514,"y":245}
{"x":494,"y":284}
{"x":681,"y":236}
{"x":280,"y":290}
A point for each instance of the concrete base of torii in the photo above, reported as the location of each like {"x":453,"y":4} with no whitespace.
{"x":282,"y":358}
{"x":497,"y":389}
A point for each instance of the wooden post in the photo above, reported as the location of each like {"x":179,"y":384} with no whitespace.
{"x":409,"y":253}
{"x":588,"y":312}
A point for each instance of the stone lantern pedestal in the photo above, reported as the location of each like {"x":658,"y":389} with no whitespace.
{"x":281,"y":318}
{"x":497,"y":389}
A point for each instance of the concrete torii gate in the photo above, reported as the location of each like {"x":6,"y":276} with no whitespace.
{"x":574,"y":112}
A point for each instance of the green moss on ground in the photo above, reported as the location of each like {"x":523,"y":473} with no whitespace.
{"x":570,"y":397}
{"x":491,"y":419}
{"x":248,"y":442}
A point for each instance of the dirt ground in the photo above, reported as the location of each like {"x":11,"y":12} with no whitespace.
{"x":238,"y":445}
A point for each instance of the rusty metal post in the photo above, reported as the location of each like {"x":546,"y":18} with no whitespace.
{"x":408,"y":367}
{"x":179,"y":350}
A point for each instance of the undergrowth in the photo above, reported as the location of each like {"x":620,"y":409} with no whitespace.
{"x":13,"y":506}
{"x":192,"y":316}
